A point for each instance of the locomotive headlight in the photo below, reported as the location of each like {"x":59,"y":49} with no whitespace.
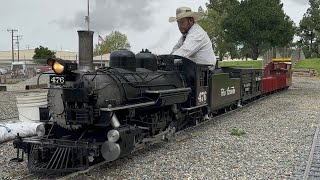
{"x":60,"y":66}
{"x":41,"y":130}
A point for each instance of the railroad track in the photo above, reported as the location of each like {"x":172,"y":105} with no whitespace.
{"x":308,"y":167}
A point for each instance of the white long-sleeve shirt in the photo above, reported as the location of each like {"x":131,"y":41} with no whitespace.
{"x":195,"y":46}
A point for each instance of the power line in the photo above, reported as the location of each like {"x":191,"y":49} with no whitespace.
{"x":12,"y":49}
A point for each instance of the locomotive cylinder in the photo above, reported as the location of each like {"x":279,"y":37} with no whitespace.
{"x":86,"y":51}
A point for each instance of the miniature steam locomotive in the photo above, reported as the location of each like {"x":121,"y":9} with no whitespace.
{"x":104,"y":114}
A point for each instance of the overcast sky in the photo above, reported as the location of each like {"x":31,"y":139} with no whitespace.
{"x":54,"y":23}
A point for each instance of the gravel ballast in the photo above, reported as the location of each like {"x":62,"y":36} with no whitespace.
{"x":277,"y":129}
{"x":8,"y":108}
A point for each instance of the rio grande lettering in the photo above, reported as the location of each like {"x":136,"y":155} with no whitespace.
{"x":227,"y":92}
{"x":247,"y":86}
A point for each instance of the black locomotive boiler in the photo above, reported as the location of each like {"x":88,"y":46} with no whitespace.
{"x":94,"y":115}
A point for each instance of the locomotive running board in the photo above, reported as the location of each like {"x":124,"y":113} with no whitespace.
{"x":167,"y":91}
{"x":139,"y":105}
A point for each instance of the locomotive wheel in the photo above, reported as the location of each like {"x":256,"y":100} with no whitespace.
{"x":110,"y":151}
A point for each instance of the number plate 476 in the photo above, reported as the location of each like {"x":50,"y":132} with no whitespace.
{"x":54,"y":79}
{"x":202,"y":97}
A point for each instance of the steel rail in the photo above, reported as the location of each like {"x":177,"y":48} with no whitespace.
{"x":311,"y":154}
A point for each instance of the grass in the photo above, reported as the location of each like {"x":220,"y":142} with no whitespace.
{"x":251,"y":63}
{"x":237,"y":132}
{"x":309,"y":64}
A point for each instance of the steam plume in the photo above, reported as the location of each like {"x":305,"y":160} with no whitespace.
{"x":108,"y":15}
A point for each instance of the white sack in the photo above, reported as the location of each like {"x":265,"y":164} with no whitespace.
{"x":8,"y":131}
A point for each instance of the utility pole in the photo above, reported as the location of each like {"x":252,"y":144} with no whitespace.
{"x":18,"y":37}
{"x":12,"y":48}
{"x":28,"y":46}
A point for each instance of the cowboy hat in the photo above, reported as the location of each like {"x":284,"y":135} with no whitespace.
{"x":183,"y":12}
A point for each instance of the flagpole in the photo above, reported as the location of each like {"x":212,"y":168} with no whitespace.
{"x":100,"y":51}
{"x":101,"y":56}
{"x":100,"y":42}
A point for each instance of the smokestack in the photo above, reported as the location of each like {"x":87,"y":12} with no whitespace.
{"x":86,"y":51}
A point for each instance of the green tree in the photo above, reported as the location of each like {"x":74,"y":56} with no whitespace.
{"x":309,"y":28}
{"x":245,"y":52}
{"x":41,"y":54}
{"x":216,"y":13}
{"x":259,"y":25}
{"x":112,"y":42}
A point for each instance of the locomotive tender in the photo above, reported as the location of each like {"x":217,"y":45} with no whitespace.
{"x":94,"y":115}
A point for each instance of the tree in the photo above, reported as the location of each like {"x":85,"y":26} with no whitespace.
{"x":216,"y":13}
{"x":309,"y":29}
{"x":41,"y":54}
{"x":112,"y":42}
{"x":259,"y":25}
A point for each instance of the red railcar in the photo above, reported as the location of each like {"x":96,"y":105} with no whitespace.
{"x":267,"y":84}
{"x":276,"y":76}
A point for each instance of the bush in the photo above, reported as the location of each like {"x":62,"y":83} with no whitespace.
{"x":41,"y":54}
{"x":237,"y":132}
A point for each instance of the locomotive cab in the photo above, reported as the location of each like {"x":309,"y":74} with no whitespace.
{"x":196,"y":76}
